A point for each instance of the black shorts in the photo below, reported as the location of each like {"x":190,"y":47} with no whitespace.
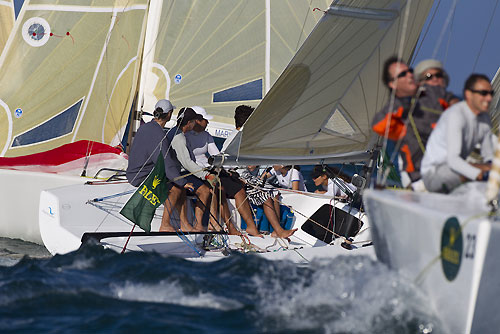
{"x":195,"y":181}
{"x":230,"y":185}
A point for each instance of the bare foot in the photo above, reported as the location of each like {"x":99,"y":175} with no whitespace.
{"x":285,"y":234}
{"x":168,"y":228}
{"x":232,"y":230}
{"x":198,"y":228}
{"x":187,"y":227}
{"x":253,"y":231}
{"x":214,"y":227}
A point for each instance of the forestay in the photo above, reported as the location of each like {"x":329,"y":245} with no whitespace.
{"x":323,"y":103}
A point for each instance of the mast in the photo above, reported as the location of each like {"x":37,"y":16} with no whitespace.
{"x":148,"y":53}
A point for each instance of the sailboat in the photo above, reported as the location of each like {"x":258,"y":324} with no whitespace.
{"x":318,"y":111}
{"x":447,"y":244}
{"x":76,"y":77}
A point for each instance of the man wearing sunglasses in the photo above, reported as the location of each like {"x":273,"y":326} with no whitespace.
{"x":403,"y":120}
{"x":431,"y":75}
{"x":459,"y":130}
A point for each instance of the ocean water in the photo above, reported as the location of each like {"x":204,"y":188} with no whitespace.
{"x":94,"y":290}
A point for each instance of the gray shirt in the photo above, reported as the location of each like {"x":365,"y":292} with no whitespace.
{"x":455,"y":136}
{"x":144,"y":151}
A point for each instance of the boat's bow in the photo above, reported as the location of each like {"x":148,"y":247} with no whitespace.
{"x":448,"y":245}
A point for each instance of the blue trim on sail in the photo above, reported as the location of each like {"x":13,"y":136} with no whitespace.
{"x":249,"y":91}
{"x":56,"y":127}
{"x":17,"y":7}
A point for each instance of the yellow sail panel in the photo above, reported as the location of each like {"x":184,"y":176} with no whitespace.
{"x":323,"y":103}
{"x":69,"y":73}
{"x":219,"y":54}
{"x":6,"y":20}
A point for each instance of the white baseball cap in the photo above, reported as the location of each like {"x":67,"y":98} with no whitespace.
{"x":165,"y":105}
{"x":201,"y":111}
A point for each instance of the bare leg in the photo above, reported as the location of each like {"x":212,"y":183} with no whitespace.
{"x":276,"y":203}
{"x":272,"y":216}
{"x":226,"y":216}
{"x":246,"y":212}
{"x":214,"y":209}
{"x":181,"y":207}
{"x":169,"y":205}
{"x":203,"y":194}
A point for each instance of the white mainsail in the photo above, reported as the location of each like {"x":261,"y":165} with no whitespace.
{"x":220,"y":54}
{"x":69,"y":72}
{"x":323,"y":103}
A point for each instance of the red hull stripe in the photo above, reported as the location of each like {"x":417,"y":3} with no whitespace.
{"x":61,"y":154}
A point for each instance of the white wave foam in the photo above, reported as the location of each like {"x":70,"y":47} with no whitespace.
{"x":173,"y":293}
{"x":350,"y":294}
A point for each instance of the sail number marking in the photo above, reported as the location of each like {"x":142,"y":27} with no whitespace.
{"x":470,"y":246}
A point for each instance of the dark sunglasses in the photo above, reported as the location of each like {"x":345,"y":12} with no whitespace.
{"x":483,"y":92}
{"x":404,"y":73}
{"x":429,"y":76}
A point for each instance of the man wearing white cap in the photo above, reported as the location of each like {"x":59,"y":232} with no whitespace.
{"x":147,"y":142}
{"x":200,"y":141}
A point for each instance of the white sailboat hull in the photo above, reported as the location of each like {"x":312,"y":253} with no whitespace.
{"x":66,"y":214}
{"x":418,"y":235}
{"x":19,"y":200}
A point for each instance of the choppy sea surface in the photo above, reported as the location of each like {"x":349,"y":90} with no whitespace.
{"x":94,"y":290}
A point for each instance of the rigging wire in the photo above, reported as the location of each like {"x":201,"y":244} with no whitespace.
{"x":445,"y":58}
{"x":427,"y":30}
{"x":393,"y":92}
{"x":485,"y":35}
{"x":384,"y":175}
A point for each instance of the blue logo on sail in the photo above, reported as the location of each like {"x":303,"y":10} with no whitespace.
{"x":18,"y":113}
{"x":177,"y":79}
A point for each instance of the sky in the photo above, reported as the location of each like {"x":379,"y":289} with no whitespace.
{"x":463,"y":39}
{"x":461,"y":36}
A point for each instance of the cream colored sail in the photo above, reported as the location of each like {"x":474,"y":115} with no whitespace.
{"x":6,"y":20}
{"x":219,"y":54}
{"x":323,"y":103}
{"x":69,"y":72}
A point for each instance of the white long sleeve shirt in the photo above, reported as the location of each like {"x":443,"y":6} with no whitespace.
{"x":180,"y":146}
{"x":456,"y":134}
{"x":201,"y":143}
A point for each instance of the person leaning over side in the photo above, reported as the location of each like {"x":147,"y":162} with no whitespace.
{"x":458,"y":131}
{"x":179,"y":156}
{"x":149,"y":141}
{"x":392,"y":120}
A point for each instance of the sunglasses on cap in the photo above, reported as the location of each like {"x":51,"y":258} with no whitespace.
{"x":404,"y":73}
{"x":430,"y":76}
{"x":483,"y":92}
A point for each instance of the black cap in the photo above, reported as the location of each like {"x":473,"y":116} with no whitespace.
{"x":187,"y":114}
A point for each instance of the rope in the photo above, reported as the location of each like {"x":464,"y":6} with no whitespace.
{"x":420,"y":276}
{"x":126,"y":242}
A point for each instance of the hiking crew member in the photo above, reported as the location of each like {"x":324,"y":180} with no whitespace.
{"x":410,"y":120}
{"x":148,"y":140}
{"x":179,"y":156}
{"x":463,"y":126}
